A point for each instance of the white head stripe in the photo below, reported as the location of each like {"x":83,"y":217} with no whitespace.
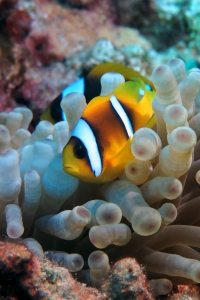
{"x":83,"y":132}
{"x":122,"y":114}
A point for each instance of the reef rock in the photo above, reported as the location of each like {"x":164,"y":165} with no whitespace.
{"x":24,"y":275}
{"x":39,"y":40}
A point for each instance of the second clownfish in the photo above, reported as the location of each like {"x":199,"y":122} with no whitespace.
{"x":90,"y":86}
{"x":99,"y":147}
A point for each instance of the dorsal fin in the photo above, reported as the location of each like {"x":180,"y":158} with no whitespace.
{"x":132,"y":90}
{"x":128,"y":73}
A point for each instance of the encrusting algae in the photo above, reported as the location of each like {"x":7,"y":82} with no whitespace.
{"x":157,"y":194}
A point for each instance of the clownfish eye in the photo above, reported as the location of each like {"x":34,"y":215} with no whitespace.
{"x":80,"y":151}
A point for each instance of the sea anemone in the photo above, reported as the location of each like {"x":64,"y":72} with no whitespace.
{"x":156,"y":198}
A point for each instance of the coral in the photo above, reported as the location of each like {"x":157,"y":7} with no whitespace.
{"x":155,"y":19}
{"x":127,"y":281}
{"x":134,"y":13}
{"x":80,"y":3}
{"x":11,"y":76}
{"x":40,"y":48}
{"x":40,"y":55}
{"x":26,"y":276}
{"x":186,"y":292}
{"x":18,"y":25}
{"x":6,"y":7}
{"x":45,"y":47}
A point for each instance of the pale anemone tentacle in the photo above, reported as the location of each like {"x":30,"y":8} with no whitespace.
{"x":3,"y":117}
{"x":99,"y":266}
{"x":197,"y":177}
{"x":137,"y":171}
{"x":92,"y":206}
{"x":175,"y":115}
{"x":5,"y":139}
{"x":15,"y":226}
{"x":161,"y":187}
{"x":167,"y":93}
{"x":43,"y":151}
{"x":57,"y":187}
{"x":194,"y":123}
{"x":161,"y":286}
{"x":67,"y":224}
{"x":189,"y":89}
{"x":10,"y":180}
{"x":144,"y":219}
{"x":33,"y":246}
{"x":26,"y":159}
{"x":170,"y":264}
{"x":105,"y":235}
{"x":168,"y":213}
{"x":19,"y":137}
{"x":73,"y":105}
{"x":146,"y":144}
{"x":176,"y":158}
{"x":108,"y":213}
{"x":27,"y":116}
{"x":109,"y":81}
{"x":178,"y":68}
{"x":32,"y":195}
{"x":103,"y":212}
{"x":13,"y":121}
{"x":61,"y":134}
{"x":42,"y":130}
{"x":74,"y":262}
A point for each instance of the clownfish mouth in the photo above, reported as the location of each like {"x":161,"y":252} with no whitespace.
{"x":71,"y":168}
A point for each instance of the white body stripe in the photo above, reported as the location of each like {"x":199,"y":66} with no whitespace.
{"x":83,"y":132}
{"x":123,"y":116}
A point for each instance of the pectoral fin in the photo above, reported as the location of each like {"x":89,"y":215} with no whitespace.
{"x":123,"y":156}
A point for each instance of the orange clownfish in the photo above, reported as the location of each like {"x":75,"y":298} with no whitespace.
{"x":99,"y":147}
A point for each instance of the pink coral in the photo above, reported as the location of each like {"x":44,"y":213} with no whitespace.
{"x":127,"y":281}
{"x":25,"y":276}
{"x":45,"y":44}
{"x":39,"y":45}
{"x":186,"y":292}
{"x":18,"y":25}
{"x":6,"y":7}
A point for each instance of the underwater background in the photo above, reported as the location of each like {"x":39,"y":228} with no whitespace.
{"x":45,"y":46}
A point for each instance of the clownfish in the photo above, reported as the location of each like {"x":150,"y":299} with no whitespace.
{"x":90,"y":86}
{"x":99,"y":147}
